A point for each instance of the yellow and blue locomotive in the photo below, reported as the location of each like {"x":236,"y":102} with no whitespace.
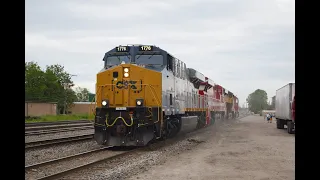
{"x":144,"y":93}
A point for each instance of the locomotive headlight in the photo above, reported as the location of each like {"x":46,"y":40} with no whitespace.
{"x":139,"y":102}
{"x":126,"y":74}
{"x":104,"y":103}
{"x":126,"y":70}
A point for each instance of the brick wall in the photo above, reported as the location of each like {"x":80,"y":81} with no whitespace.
{"x":82,"y":108}
{"x":40,"y":109}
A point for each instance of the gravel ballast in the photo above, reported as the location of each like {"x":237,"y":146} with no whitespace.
{"x":116,"y":169}
{"x":70,"y":163}
{"x":57,"y":135}
{"x":132,"y":164}
{"x":37,"y":155}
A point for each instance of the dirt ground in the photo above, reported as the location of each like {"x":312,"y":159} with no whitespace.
{"x":249,"y":148}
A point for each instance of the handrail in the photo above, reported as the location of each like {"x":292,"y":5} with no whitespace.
{"x":152,"y":90}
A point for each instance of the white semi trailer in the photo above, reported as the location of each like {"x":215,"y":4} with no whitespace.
{"x":285,"y":107}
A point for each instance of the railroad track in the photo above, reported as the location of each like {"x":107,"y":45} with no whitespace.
{"x":66,"y":158}
{"x":56,"y":162}
{"x":29,"y":132}
{"x":47,"y":127}
{"x":88,"y":164}
{"x":35,"y":124}
{"x":48,"y":142}
{"x":44,"y":143}
{"x":56,"y":127}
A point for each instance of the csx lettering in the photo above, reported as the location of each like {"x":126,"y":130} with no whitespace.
{"x":124,"y":84}
{"x":119,"y":85}
{"x":122,"y":48}
{"x":132,"y":83}
{"x":146,"y":48}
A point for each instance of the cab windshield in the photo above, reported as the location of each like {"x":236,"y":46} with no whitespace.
{"x":116,"y":60}
{"x":152,"y":60}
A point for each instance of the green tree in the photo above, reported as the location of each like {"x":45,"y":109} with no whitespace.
{"x":54,"y":90}
{"x":257,"y":101}
{"x":62,"y":76}
{"x":63,"y":93}
{"x":34,"y":82}
{"x":82,"y":94}
{"x":52,"y":85}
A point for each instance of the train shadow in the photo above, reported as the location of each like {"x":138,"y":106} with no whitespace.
{"x":122,"y":148}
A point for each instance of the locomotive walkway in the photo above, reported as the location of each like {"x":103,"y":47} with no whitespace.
{"x":248,"y":148}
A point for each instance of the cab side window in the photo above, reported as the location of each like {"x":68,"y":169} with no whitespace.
{"x":170,"y":63}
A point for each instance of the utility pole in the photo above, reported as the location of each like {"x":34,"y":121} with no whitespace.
{"x":65,"y":97}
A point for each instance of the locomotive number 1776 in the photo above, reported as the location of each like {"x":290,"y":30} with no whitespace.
{"x":145,"y":48}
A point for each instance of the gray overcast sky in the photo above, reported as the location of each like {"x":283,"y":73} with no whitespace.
{"x":241,"y":44}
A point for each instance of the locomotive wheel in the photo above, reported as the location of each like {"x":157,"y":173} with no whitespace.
{"x":163,"y":136}
{"x":173,"y":127}
{"x":201,"y":120}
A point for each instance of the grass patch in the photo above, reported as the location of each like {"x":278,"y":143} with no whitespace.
{"x":61,"y":117}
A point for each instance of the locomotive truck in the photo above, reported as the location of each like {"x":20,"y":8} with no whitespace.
{"x":285,"y":107}
{"x":143,"y":93}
